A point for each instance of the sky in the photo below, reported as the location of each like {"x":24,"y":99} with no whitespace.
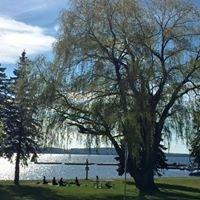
{"x":27,"y":24}
{"x":32,"y":25}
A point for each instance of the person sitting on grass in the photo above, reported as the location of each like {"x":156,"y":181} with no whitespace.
{"x":44,"y":181}
{"x":77,"y":182}
{"x":61,"y":182}
{"x":108,"y":185}
{"x":54,"y":182}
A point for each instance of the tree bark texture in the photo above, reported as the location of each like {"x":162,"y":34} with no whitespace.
{"x":17,"y":170}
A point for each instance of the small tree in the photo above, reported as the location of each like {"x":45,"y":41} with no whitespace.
{"x":21,"y":128}
{"x":195,"y":141}
{"x":195,"y":150}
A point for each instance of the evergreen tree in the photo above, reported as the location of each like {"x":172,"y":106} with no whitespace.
{"x":20,"y":125}
{"x":195,"y":150}
{"x":3,"y":99}
{"x":3,"y":89}
{"x":195,"y":140}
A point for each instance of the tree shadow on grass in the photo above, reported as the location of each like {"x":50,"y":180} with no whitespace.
{"x":12,"y":192}
{"x":178,"y":187}
{"x":177,"y":192}
{"x":171,"y":192}
{"x":30,"y":192}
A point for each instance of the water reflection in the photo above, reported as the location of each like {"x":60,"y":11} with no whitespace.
{"x":37,"y":171}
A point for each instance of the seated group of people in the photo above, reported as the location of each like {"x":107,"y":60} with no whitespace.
{"x":60,"y":182}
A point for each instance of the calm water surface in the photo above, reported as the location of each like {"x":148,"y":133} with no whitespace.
{"x":37,"y":171}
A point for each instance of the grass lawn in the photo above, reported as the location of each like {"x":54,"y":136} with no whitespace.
{"x":171,"y":188}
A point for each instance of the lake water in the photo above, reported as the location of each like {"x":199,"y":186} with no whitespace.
{"x":37,"y":171}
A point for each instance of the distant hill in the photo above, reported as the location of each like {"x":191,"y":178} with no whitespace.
{"x":95,"y":151}
{"x":101,"y":151}
{"x":53,"y":150}
{"x":177,"y":154}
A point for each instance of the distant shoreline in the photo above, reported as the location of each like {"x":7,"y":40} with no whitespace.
{"x":93,"y":151}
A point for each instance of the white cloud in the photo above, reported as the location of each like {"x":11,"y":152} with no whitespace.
{"x":16,"y":36}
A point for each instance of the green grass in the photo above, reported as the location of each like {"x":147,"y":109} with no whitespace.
{"x":171,"y":188}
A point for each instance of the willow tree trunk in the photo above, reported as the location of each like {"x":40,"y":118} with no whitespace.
{"x":142,"y":165}
{"x":139,"y":128}
{"x":143,"y":174}
{"x":144,"y":178}
{"x":17,"y":169}
{"x":145,"y":182}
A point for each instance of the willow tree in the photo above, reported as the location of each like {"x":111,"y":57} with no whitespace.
{"x":128,"y":70}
